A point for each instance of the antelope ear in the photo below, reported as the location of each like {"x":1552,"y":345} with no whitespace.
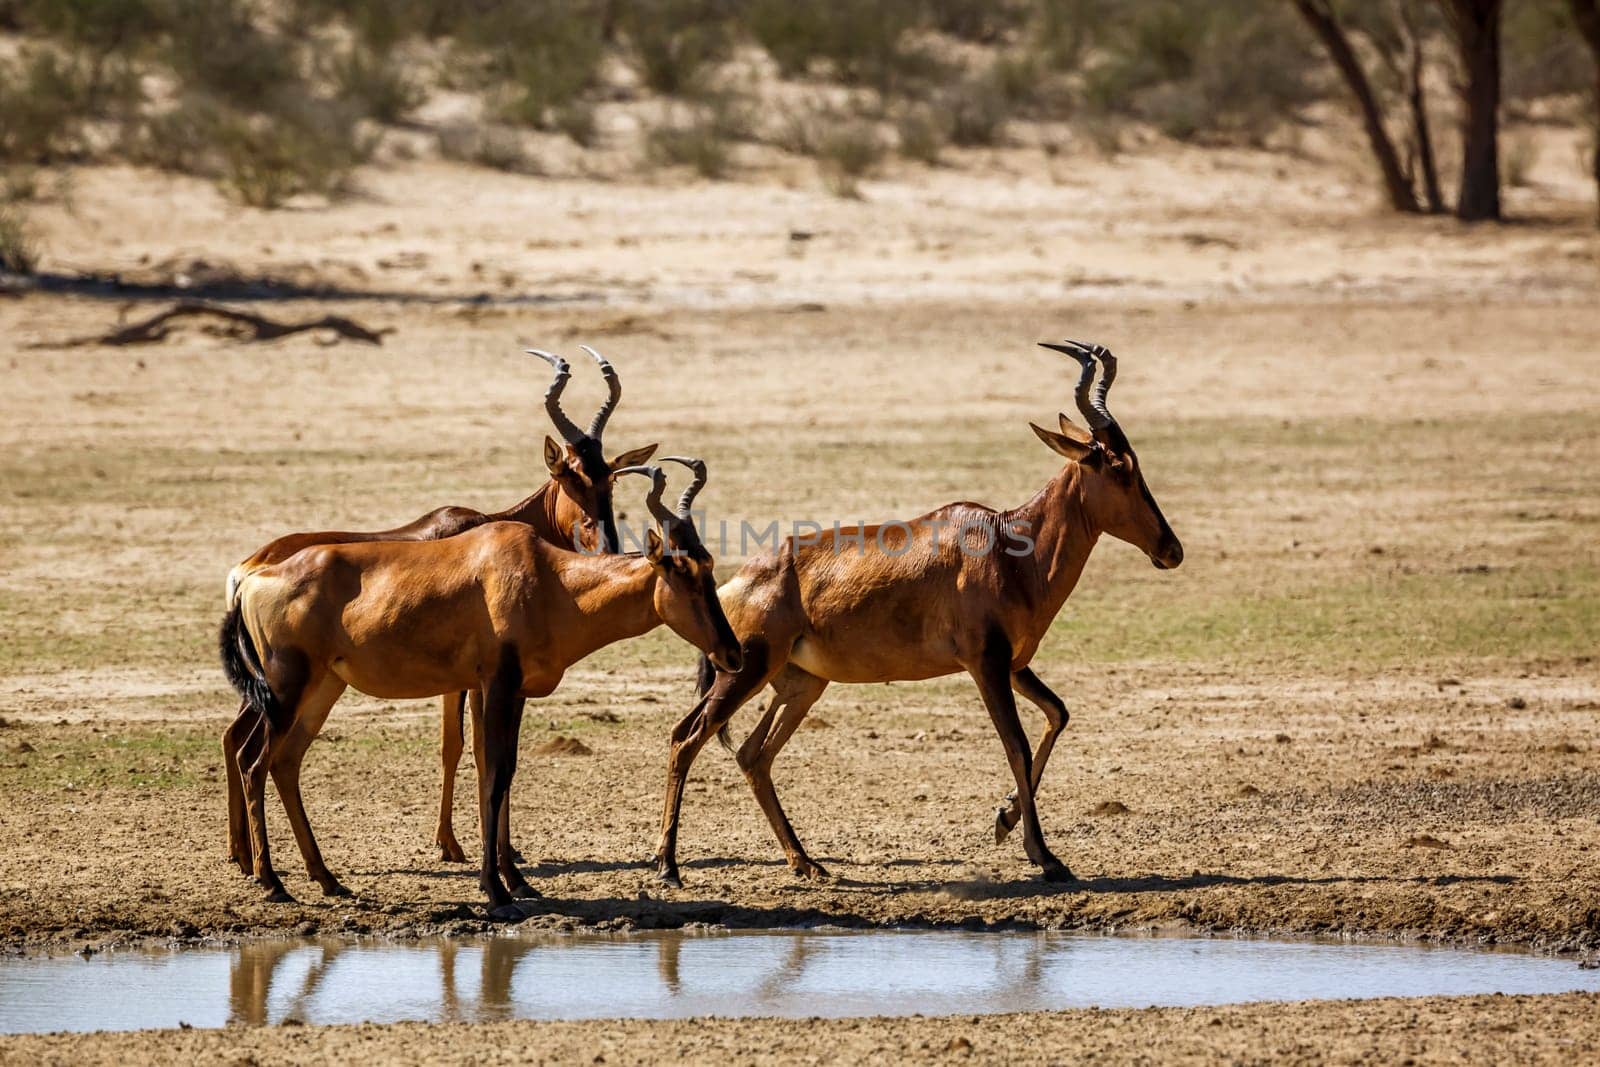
{"x":653,"y":548}
{"x":555,"y":457}
{"x":635,"y":458}
{"x":1073,"y":430}
{"x":1062,"y":444}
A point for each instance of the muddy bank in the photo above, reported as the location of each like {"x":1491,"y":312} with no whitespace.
{"x":1562,"y":1030}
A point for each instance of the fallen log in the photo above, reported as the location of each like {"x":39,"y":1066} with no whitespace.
{"x":242,"y":325}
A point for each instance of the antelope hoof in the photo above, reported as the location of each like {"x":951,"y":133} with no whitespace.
{"x":278,"y":895}
{"x":1002,"y":829}
{"x":506,"y":913}
{"x":668,"y":876}
{"x":450,"y":852}
{"x":1058,"y":873}
{"x":526,"y":892}
{"x":811,"y":871}
{"x":333,"y":888}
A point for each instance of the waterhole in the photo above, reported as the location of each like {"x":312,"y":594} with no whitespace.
{"x":675,"y":975}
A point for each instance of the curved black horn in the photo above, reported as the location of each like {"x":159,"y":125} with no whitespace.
{"x":1092,"y":407}
{"x":698,"y":466}
{"x":552,"y":396}
{"x":1107,"y":375}
{"x":613,"y":384}
{"x":658,"y":480}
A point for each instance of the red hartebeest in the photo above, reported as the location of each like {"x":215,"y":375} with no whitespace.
{"x":573,"y":509}
{"x":900,"y":602}
{"x":497,"y":609}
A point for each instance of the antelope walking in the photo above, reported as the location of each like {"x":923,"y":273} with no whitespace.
{"x":497,"y":609}
{"x":573,"y":509}
{"x":898,"y":602}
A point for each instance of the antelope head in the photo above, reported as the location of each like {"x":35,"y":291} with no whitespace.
{"x":577,"y":464}
{"x":686,"y":588}
{"x":1115,"y":494}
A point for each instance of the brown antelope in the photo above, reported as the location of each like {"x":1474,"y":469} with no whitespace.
{"x":497,"y":609}
{"x":572,"y":509}
{"x":898,"y":602}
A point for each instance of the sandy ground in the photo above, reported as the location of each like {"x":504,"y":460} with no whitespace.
{"x":1367,"y":703}
{"x":1561,"y":1030}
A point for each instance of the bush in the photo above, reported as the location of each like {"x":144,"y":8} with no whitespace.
{"x":864,"y":42}
{"x":846,"y":153}
{"x":19,"y":251}
{"x":311,"y":147}
{"x":677,"y":43}
{"x":976,"y":109}
{"x":1231,"y":68}
{"x":1064,"y":29}
{"x":922,"y":135}
{"x":984,"y":21}
{"x":375,"y":84}
{"x":577,"y":120}
{"x":216,"y":47}
{"x":1018,"y":77}
{"x":182,"y":139}
{"x":542,"y":54}
{"x":45,"y":99}
{"x":700,"y":143}
{"x":485,"y":146}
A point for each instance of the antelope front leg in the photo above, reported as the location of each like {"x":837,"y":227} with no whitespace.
{"x":1055,"y":712}
{"x":451,"y":742}
{"x":993,"y":675}
{"x":727,"y":694}
{"x":796,"y":692}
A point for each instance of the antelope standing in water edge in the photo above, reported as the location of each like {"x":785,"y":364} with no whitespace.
{"x":497,"y":609}
{"x":898,"y":602}
{"x":573,"y":509}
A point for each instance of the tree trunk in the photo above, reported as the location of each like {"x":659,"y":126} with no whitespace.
{"x":1477,"y":28}
{"x":1586,"y":13}
{"x":1421,"y":129}
{"x":1319,"y":16}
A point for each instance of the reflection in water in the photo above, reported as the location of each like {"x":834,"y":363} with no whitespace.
{"x":775,"y":974}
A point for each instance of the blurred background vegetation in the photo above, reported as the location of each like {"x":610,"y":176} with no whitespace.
{"x":277,"y":98}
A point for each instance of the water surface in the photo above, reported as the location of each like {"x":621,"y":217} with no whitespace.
{"x":676,"y":975}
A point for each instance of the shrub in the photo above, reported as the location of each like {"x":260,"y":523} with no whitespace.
{"x":576,"y":119}
{"x":182,"y":138}
{"x":846,"y":153}
{"x":309,"y":147}
{"x":216,"y":47}
{"x":677,"y":43}
{"x":485,"y":146}
{"x":984,"y":21}
{"x":542,"y":54}
{"x":976,"y":109}
{"x":1064,"y":29}
{"x":1231,"y":67}
{"x":864,"y":42}
{"x":1018,"y":76}
{"x":375,"y":84}
{"x":699,"y":143}
{"x":19,"y":250}
{"x":922,"y":135}
{"x":45,"y":98}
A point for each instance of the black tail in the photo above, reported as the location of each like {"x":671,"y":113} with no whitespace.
{"x":242,"y":665}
